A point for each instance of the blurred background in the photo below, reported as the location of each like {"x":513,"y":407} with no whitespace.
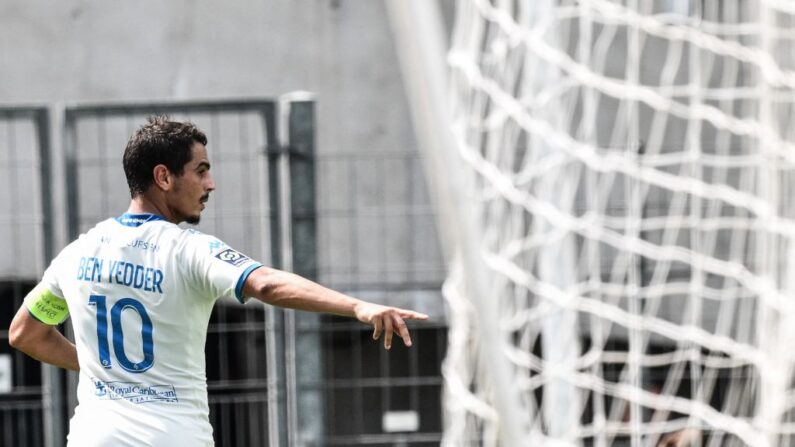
{"x":325,"y":181}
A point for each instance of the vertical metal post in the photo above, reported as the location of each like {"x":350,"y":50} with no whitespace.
{"x":305,"y":405}
{"x":51,"y":389}
{"x":70,"y":154}
{"x":417,"y":27}
{"x":274,"y":338}
{"x":73,"y":227}
{"x":285,"y":229}
{"x":43,"y":130}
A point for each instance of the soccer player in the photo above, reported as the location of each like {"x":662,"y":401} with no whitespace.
{"x":140,"y":291}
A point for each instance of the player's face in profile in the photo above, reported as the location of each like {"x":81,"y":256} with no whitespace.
{"x":192,"y":189}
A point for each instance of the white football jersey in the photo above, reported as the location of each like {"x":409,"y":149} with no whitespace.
{"x":140,"y":291}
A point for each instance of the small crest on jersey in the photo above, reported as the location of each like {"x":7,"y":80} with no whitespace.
{"x":232,"y":257}
{"x":100,"y":390}
{"x":215,"y":245}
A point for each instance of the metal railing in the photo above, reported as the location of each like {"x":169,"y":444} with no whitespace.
{"x":274,"y":377}
{"x":29,"y":406}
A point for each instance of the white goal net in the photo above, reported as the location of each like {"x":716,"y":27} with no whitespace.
{"x":632,"y":169}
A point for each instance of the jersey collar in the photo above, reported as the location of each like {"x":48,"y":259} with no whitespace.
{"x":136,"y":220}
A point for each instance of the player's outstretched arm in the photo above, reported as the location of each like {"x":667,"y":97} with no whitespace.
{"x":41,"y":341}
{"x":284,"y":289}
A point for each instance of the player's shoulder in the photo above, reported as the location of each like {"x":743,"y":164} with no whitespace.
{"x":94,"y":236}
{"x":197,"y":241}
{"x":98,"y":234}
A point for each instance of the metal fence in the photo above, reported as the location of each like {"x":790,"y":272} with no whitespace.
{"x":26,"y":235}
{"x":358,"y":222}
{"x":243,"y":355}
{"x":376,"y":240}
{"x":27,"y":226}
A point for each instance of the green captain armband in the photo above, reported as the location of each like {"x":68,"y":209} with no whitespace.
{"x":45,"y":306}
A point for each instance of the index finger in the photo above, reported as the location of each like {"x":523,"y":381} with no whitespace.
{"x":413,"y":315}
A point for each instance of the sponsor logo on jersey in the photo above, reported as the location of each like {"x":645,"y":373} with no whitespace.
{"x":143,"y":245}
{"x":134,"y":392}
{"x":132,"y":220}
{"x":232,"y":257}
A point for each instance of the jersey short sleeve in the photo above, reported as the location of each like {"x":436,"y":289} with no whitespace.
{"x":214,"y":267}
{"x":46,"y":301}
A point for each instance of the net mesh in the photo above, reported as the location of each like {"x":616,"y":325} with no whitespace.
{"x":630,"y":165}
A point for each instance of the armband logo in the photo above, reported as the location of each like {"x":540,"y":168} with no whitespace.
{"x":232,"y":257}
{"x":46,"y":306}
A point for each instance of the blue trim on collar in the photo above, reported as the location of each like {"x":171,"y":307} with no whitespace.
{"x":136,"y":220}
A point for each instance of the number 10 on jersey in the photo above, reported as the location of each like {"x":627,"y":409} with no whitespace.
{"x":100,"y":302}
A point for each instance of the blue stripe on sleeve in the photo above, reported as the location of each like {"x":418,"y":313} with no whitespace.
{"x":242,"y":280}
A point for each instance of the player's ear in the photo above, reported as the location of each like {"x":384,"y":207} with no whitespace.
{"x":163,"y":178}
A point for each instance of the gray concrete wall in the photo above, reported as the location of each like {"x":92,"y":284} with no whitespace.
{"x":97,"y":51}
{"x":342,"y":50}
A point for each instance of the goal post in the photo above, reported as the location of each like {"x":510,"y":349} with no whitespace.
{"x":416,"y":25}
{"x":613,"y":184}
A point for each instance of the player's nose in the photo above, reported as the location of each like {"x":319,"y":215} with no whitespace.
{"x":209,"y":183}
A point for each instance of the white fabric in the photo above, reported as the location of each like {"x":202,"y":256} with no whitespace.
{"x":135,"y":400}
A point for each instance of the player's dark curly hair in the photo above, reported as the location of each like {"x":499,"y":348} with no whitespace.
{"x":160,"y":141}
